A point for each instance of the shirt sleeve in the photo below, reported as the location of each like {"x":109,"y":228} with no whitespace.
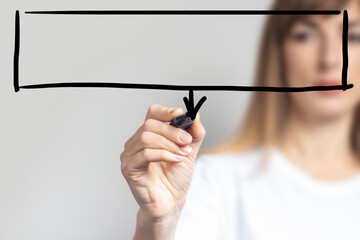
{"x":198,"y":219}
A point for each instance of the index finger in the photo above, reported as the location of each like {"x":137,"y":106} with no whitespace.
{"x":161,"y":113}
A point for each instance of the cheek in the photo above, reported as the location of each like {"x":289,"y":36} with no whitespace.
{"x":354,"y":63}
{"x":354,"y":71}
{"x":299,"y":65}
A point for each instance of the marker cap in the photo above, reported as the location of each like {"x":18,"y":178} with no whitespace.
{"x":182,"y":121}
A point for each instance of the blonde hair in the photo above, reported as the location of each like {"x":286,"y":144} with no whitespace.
{"x":267,"y":111}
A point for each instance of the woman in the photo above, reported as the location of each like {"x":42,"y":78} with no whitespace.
{"x":292,"y":171}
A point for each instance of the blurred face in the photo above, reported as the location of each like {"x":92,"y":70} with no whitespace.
{"x":313,"y":56}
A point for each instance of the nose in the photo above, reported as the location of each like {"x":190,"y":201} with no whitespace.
{"x":330,"y":53}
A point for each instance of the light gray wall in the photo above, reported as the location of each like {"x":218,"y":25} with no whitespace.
{"x":59,"y":161}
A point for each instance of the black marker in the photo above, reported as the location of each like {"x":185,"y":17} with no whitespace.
{"x":182,"y":121}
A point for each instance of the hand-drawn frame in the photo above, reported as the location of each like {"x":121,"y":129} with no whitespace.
{"x":344,"y":85}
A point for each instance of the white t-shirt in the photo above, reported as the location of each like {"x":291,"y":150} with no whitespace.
{"x":226,"y":201}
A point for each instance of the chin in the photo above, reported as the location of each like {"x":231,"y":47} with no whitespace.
{"x":326,"y":107}
{"x":330,"y":114}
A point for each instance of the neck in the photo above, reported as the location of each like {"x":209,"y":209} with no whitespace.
{"x":321,"y":148}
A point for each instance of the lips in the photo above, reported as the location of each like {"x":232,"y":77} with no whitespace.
{"x":328,"y":82}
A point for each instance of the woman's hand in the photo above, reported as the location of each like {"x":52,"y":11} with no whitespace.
{"x":158,"y":161}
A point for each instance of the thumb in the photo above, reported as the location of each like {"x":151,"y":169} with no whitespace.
{"x":198,"y":132}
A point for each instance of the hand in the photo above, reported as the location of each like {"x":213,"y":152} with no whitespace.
{"x":158,"y":162}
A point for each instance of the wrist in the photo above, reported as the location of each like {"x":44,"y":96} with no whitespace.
{"x":156,"y":228}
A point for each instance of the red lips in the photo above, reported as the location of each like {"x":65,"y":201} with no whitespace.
{"x":328,"y":82}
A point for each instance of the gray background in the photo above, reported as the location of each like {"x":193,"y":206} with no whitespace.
{"x":59,"y":165}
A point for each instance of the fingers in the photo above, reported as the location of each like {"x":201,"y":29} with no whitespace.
{"x":197,"y":130}
{"x":198,"y":133}
{"x":143,"y":158}
{"x":149,"y":139}
{"x":156,"y":140}
{"x":154,"y":122}
{"x":165,"y":114}
{"x":172,"y":133}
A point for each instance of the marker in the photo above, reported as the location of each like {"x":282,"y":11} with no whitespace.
{"x":182,"y":121}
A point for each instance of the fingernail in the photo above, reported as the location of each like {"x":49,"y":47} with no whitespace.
{"x":172,"y":110}
{"x":186,"y":149}
{"x":185,"y":138}
{"x":178,"y":158}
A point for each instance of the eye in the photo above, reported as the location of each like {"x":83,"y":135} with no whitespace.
{"x":301,"y":36}
{"x":353,"y":37}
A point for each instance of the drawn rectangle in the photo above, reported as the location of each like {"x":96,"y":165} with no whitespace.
{"x":17,"y":86}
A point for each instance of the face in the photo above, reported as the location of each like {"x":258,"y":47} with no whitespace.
{"x":313,"y":56}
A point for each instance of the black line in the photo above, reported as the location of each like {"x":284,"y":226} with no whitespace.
{"x":16,"y":51}
{"x":189,"y":12}
{"x":344,"y":86}
{"x":345,"y":49}
{"x":185,"y":87}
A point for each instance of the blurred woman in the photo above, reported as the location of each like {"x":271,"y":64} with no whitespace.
{"x":290,"y":171}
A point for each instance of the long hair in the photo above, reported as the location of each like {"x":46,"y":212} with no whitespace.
{"x":267,"y":111}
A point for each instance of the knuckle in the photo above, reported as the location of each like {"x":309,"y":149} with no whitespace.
{"x":123,"y":156}
{"x":203,"y":131}
{"x":123,"y":162}
{"x":144,"y":137}
{"x":126,"y":145}
{"x":148,"y":124}
{"x":123,"y":168}
{"x":153,"y":107}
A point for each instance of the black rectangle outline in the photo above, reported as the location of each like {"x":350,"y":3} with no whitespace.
{"x":344,"y":85}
